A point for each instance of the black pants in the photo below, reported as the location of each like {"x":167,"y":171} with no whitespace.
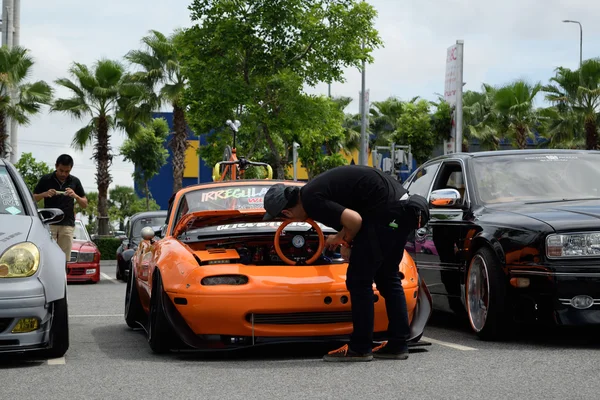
{"x":376,"y":254}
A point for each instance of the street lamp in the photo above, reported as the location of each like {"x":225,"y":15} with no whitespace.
{"x":580,"y":40}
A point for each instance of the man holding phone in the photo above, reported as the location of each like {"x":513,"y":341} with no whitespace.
{"x":61,"y":190}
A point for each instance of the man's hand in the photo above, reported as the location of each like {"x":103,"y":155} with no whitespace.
{"x":334,"y":241}
{"x":71,"y":193}
{"x":50,"y":193}
{"x":346,"y":253}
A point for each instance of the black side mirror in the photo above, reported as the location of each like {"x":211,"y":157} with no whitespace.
{"x":51,"y":215}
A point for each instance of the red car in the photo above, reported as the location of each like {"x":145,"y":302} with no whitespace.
{"x":84,"y":265}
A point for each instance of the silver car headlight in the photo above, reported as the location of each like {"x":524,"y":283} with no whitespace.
{"x":86,"y":257}
{"x":573,"y":245}
{"x":20,"y":261}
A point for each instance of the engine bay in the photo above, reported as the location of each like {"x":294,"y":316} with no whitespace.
{"x":260,"y":249}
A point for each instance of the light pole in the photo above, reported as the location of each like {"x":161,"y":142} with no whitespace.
{"x":580,"y":40}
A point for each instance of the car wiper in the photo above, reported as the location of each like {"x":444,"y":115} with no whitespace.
{"x":560,"y":200}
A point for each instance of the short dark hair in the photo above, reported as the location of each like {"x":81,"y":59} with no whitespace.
{"x":65,"y":159}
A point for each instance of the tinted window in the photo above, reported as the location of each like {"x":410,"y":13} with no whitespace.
{"x":422,"y":180}
{"x":10,"y":201}
{"x":153,"y":222}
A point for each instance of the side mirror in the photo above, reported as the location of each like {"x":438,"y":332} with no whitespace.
{"x":148,"y":233}
{"x":51,"y":215}
{"x":444,"y":198}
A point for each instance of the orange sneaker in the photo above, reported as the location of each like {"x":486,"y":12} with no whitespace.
{"x":382,"y":351}
{"x":344,"y":353}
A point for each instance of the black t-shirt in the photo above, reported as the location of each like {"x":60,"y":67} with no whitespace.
{"x":61,"y":201}
{"x":363,"y":189}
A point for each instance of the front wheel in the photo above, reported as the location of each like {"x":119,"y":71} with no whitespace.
{"x":59,"y":331}
{"x":160,"y":334}
{"x":486,"y":296}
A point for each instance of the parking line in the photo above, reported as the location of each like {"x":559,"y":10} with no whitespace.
{"x":94,"y":315}
{"x":447,"y":344}
{"x":108,"y":277}
{"x":57,"y":361}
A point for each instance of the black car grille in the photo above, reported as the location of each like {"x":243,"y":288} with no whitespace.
{"x":4,"y":323}
{"x":302,"y":318}
{"x":74,"y":255}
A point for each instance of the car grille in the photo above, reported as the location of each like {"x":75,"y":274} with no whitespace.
{"x":74,"y":255}
{"x":76,"y":271}
{"x":301,"y":318}
{"x":4,"y":323}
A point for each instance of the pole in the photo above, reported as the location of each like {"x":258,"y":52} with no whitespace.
{"x":199,"y":157}
{"x":295,"y":159}
{"x":459,"y":96}
{"x":362,"y":157}
{"x":329,"y":90}
{"x":580,"y":39}
{"x":15,"y":42}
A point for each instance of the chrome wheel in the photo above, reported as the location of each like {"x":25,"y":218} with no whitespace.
{"x":478,"y":293}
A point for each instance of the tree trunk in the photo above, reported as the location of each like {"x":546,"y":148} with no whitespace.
{"x":3,"y":136}
{"x":591,"y":135}
{"x":521,"y":139}
{"x":103,"y":179}
{"x":178,"y":145}
{"x":147,"y":196}
{"x":279,"y":170}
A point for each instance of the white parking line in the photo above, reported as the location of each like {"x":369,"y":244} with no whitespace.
{"x":108,"y":277}
{"x":95,"y":315}
{"x":57,"y":361}
{"x":447,"y":344}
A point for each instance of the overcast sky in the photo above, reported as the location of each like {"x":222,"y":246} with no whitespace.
{"x":504,"y":40}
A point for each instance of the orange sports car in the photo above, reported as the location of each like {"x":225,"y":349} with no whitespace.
{"x":217,"y":277}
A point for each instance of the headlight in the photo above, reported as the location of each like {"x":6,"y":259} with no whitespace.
{"x":19,"y":261}
{"x":86,"y":257}
{"x":573,"y":245}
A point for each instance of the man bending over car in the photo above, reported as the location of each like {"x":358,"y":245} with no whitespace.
{"x":373,"y":215}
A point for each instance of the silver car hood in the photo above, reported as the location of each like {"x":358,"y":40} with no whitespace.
{"x":13,"y":229}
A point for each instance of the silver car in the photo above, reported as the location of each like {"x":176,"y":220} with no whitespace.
{"x":33,"y":279}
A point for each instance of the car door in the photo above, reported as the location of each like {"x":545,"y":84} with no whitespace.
{"x":420,"y":183}
{"x":439,"y":243}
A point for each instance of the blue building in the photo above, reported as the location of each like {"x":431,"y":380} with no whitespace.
{"x":161,"y":186}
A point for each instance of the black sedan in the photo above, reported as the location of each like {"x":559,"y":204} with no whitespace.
{"x":514,"y":236}
{"x":133,"y":230}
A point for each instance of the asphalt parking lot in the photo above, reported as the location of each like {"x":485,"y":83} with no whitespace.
{"x":107,"y":360}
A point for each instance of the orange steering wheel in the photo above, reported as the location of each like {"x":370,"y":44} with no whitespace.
{"x":314,"y":258}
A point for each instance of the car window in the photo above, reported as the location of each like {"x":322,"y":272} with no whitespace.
{"x":153,"y":222}
{"x":10,"y":201}
{"x":80,"y":233}
{"x":422,"y":180}
{"x":451,"y":177}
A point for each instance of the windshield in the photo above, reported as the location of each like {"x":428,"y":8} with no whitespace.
{"x":138,"y":225}
{"x":224,"y":198}
{"x":537,"y":177}
{"x":10,"y":202}
{"x":80,"y":233}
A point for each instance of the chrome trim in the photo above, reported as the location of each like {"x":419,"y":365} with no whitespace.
{"x":549,"y":273}
{"x":71,"y":260}
{"x":567,"y":302}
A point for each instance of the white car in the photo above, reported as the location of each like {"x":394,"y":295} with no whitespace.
{"x":33,"y":279}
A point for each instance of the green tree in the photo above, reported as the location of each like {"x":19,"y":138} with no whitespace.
{"x":480,"y":119}
{"x":159,"y":64}
{"x":102,"y":97}
{"x":441,"y":120}
{"x":414,"y":129}
{"x":147,"y":153}
{"x":15,"y":66}
{"x":91,"y":212}
{"x":245,"y":59}
{"x":32,"y":170}
{"x":576,"y":97}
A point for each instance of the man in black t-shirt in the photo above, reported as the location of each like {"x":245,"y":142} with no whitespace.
{"x":60,"y":189}
{"x":368,"y":210}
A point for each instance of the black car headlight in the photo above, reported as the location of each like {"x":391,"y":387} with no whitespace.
{"x":573,"y":245}
{"x":20,"y":261}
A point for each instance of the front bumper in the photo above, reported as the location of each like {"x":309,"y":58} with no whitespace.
{"x":551,"y":293}
{"x":83,"y":272}
{"x":23,"y":298}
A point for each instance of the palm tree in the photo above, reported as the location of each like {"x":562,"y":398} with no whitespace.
{"x":577,"y":92}
{"x":15,"y":67}
{"x":516,"y":114}
{"x":160,"y":67}
{"x":103,"y":97}
{"x":480,"y":119}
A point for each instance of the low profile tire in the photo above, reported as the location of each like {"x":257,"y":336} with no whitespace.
{"x":486,"y":295}
{"x":134,"y":312}
{"x":59,"y":331}
{"x":160,"y":332}
{"x":119,"y":275}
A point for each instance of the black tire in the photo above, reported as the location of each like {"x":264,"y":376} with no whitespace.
{"x":493,"y":324}
{"x":134,"y":313}
{"x":59,"y":331}
{"x":119,"y":275}
{"x":160,"y":333}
